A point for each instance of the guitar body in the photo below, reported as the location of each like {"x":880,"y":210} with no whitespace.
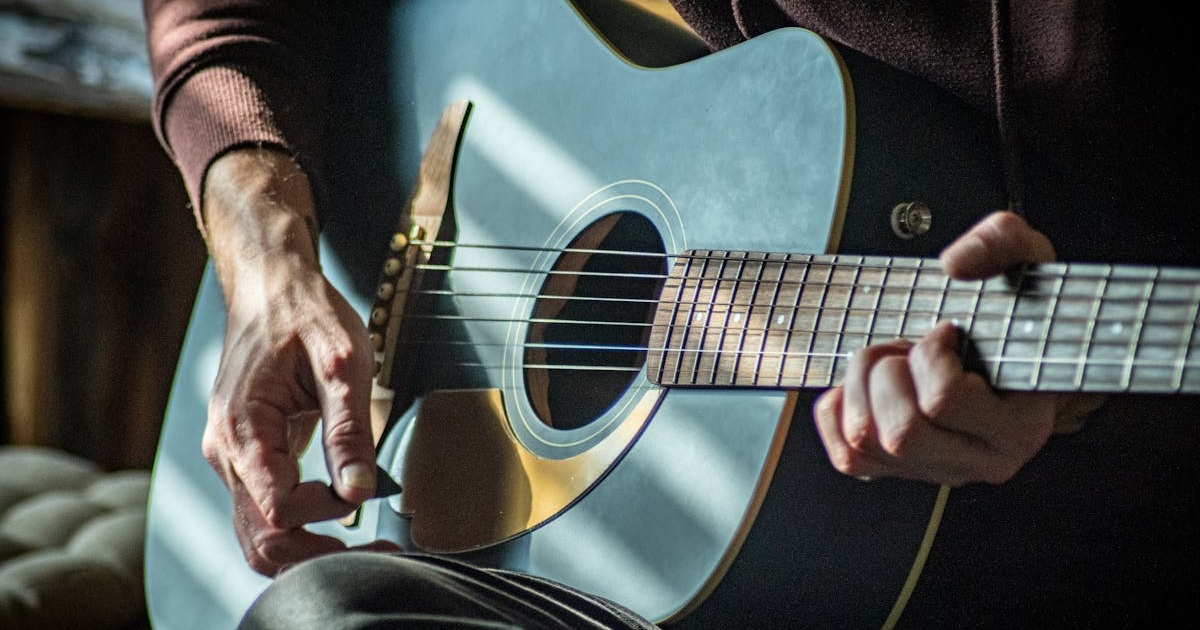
{"x":781,"y":144}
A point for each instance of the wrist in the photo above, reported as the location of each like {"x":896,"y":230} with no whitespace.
{"x":260,"y":219}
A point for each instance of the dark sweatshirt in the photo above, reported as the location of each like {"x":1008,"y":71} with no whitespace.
{"x":1094,"y":103}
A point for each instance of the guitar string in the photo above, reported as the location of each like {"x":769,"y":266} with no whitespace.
{"x":718,"y":354}
{"x":833,"y":262}
{"x":837,"y":313}
{"x":955,"y":288}
{"x":1082,"y":271}
{"x":968,"y":287}
{"x":912,"y":332}
{"x":824,"y":311}
{"x":790,"y":355}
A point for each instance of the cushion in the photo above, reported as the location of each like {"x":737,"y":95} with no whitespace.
{"x":71,"y":542}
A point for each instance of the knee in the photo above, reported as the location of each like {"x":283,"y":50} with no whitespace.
{"x":324,"y":591}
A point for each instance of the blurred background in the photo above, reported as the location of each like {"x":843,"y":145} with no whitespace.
{"x":101,"y":254}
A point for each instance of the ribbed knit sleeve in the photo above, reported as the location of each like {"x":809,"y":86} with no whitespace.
{"x":230,"y":73}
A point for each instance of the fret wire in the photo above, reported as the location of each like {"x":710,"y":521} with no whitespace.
{"x":710,"y":311}
{"x":750,"y":313}
{"x":691,"y":314}
{"x":1002,"y":347}
{"x":669,"y":323}
{"x":1090,"y":323}
{"x":758,"y":366}
{"x":812,"y":337}
{"x":912,"y":289}
{"x":672,"y":328}
{"x":841,"y":333}
{"x":1035,"y":379}
{"x":941,"y":304}
{"x":724,"y":335}
{"x":883,"y":280}
{"x":1135,"y":338}
{"x":774,"y":303}
{"x":745,"y":320}
{"x":791,"y":324}
{"x":1181,"y":362}
{"x":975,"y":298}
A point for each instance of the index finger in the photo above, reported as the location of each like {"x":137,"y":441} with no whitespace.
{"x":999,"y":241}
{"x":271,"y":477}
{"x":268,"y":547}
{"x":342,"y":368}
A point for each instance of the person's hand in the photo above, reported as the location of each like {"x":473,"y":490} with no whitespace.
{"x":295,"y":353}
{"x":912,"y":410}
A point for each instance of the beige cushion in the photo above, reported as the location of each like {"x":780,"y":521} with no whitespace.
{"x":71,"y":542}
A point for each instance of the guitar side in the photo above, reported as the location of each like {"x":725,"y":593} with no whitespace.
{"x":556,"y":141}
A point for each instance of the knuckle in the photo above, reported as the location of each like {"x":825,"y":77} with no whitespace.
{"x":273,"y":512}
{"x":1006,"y":222}
{"x":862,"y":438}
{"x":872,"y":354}
{"x":938,"y":402}
{"x":844,"y":460}
{"x":897,"y":438}
{"x":339,"y":362}
{"x":926,"y":352}
{"x":344,"y":359}
{"x":211,"y":447}
{"x":262,"y":557}
{"x":346,"y":433}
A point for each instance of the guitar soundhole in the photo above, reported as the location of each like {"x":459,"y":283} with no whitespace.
{"x":592,"y":320}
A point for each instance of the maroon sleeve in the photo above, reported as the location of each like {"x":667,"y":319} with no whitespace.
{"x":231,"y":73}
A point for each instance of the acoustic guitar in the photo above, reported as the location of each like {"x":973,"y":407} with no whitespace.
{"x":612,"y":289}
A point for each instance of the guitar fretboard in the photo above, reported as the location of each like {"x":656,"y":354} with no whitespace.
{"x":752,"y":319}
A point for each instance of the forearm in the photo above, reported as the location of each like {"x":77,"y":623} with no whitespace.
{"x":261,"y":221}
{"x":236,"y":73}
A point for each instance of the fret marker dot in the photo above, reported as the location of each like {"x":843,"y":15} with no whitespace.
{"x":1027,"y":326}
{"x":779,"y":320}
{"x":737,"y":318}
{"x":699,"y":317}
{"x":1117,"y":328}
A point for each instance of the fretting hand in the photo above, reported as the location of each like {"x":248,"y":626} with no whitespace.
{"x":913,"y":411}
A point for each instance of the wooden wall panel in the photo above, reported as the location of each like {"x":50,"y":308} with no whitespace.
{"x":102,"y":262}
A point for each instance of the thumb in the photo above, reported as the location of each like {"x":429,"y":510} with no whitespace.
{"x":344,"y":395}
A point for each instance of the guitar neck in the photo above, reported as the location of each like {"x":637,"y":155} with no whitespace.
{"x":751,"y":319}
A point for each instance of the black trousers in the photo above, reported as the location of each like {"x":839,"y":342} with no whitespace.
{"x":376,"y":590}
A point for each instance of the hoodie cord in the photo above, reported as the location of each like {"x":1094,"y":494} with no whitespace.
{"x":1010,"y":141}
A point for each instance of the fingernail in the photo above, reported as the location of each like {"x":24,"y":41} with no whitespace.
{"x":358,"y":475}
